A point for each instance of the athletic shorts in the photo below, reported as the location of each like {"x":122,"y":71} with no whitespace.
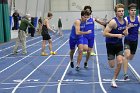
{"x":114,"y":50}
{"x":74,"y":42}
{"x":88,"y":41}
{"x":46,"y":37}
{"x":132,"y":45}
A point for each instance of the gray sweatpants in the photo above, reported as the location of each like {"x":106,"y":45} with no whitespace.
{"x":21,"y":39}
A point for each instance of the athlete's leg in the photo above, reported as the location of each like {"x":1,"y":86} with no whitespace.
{"x":50,"y":44}
{"x":80,"y":50}
{"x":87,"y":57}
{"x":43,"y":53}
{"x":72,"y":44}
{"x":71,"y":54}
{"x":111,"y":63}
{"x":125,"y":63}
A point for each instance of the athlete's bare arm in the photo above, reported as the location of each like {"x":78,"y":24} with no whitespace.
{"x":101,"y":22}
{"x":46,"y":22}
{"x":77,"y":27}
{"x":111,"y":25}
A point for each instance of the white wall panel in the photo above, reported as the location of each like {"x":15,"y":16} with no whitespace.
{"x":78,"y":5}
{"x":40,"y":7}
{"x":59,"y":5}
{"x":31,"y":7}
{"x":69,"y":10}
{"x":20,"y":6}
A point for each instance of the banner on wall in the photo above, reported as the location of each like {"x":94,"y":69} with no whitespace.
{"x":78,"y":5}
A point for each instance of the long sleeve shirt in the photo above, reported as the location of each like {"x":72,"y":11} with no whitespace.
{"x":24,"y":24}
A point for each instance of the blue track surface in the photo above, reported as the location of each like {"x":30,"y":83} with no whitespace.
{"x":33,"y":73}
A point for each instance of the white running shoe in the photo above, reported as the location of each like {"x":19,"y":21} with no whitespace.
{"x":113,"y":84}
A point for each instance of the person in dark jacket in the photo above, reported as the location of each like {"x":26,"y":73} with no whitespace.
{"x":60,"y":27}
{"x":39,"y":26}
{"x":16,"y":18}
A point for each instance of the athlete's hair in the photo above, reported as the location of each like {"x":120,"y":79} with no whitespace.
{"x":118,"y":6}
{"x":50,"y":14}
{"x":132,"y":6}
{"x":88,"y":7}
{"x":85,"y":13}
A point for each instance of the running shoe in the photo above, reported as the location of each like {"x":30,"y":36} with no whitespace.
{"x":24,"y":53}
{"x":53,"y":53}
{"x":113,"y":84}
{"x":85,"y":65}
{"x":44,"y":54}
{"x":126,"y":77}
{"x":77,"y":68}
{"x":15,"y":52}
{"x":84,"y":53}
{"x":92,"y":54}
{"x":72,"y":64}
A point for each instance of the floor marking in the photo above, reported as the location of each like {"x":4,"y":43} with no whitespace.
{"x":72,"y":80}
{"x":60,"y":83}
{"x":119,"y":80}
{"x":98,"y":69}
{"x":14,"y":45}
{"x":36,"y":56}
{"x":23,"y":58}
{"x":17,"y":86}
{"x":134,"y":72}
{"x":29,"y":80}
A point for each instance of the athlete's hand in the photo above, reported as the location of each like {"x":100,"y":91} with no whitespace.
{"x":89,"y":31}
{"x":120,"y":36}
{"x":130,"y":25}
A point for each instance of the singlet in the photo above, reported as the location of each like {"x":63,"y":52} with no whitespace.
{"x":44,"y":30}
{"x":133,"y":31}
{"x":89,"y":26}
{"x":73,"y":31}
{"x":119,"y":30}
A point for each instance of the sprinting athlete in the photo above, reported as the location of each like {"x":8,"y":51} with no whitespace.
{"x":76,"y":38}
{"x":131,"y":41}
{"x":115,"y":30}
{"x":89,"y":38}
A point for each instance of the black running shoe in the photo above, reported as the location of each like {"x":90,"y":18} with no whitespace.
{"x":85,"y":65}
{"x":126,"y":77}
{"x":77,"y":68}
{"x":72,"y":64}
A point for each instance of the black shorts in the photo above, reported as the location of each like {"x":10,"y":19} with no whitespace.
{"x":132,"y":45}
{"x":46,"y":37}
{"x":114,"y":50}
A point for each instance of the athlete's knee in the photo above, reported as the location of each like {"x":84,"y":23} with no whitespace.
{"x":72,"y":51}
{"x":85,"y":48}
{"x":111,"y":63}
{"x":88,"y":51}
{"x":120,"y":59}
{"x":80,"y":52}
{"x":50,"y":41}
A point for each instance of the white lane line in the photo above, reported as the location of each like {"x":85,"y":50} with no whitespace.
{"x":62,"y":78}
{"x":14,"y":45}
{"x":134,"y":72}
{"x":117,"y":80}
{"x":56,"y":69}
{"x":38,"y":55}
{"x":99,"y":72}
{"x":22,"y":59}
{"x":14,"y":90}
{"x":20,"y":49}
